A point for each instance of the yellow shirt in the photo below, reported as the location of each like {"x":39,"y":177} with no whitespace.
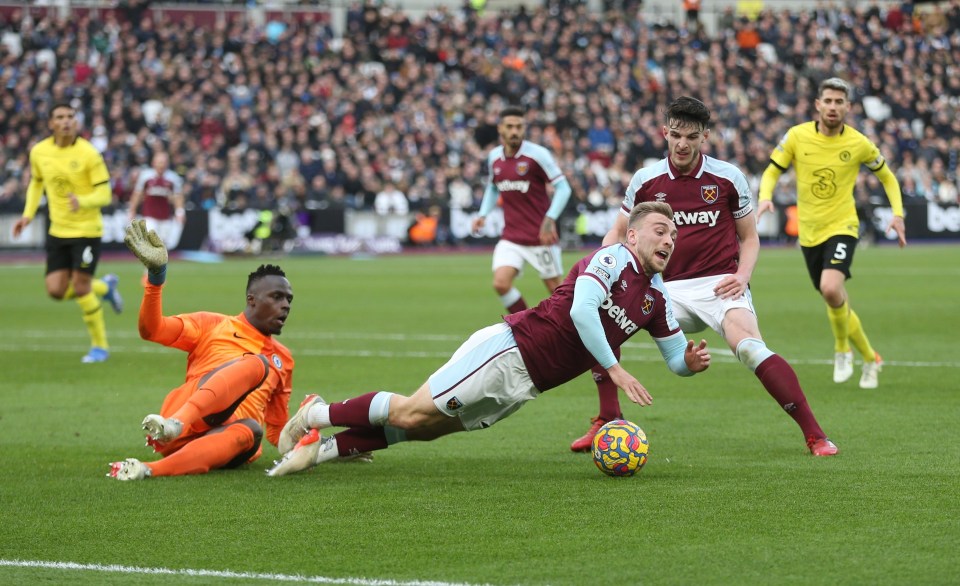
{"x":59,"y":171}
{"x":827,"y":169}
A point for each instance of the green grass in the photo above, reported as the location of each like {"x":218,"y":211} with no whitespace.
{"x":729,"y":495}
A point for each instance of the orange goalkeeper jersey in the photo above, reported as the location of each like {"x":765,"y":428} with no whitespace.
{"x":211,"y":339}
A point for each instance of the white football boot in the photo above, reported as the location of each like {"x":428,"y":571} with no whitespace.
{"x":307,"y":453}
{"x":296,"y":427}
{"x":842,"y":366}
{"x":129,"y":469}
{"x":869,"y":378}
{"x":162,"y":429}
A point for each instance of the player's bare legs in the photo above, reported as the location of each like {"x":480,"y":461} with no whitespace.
{"x":58,"y":281}
{"x":553,"y":283}
{"x":416,"y":411}
{"x":511,"y":298}
{"x":742,"y":334}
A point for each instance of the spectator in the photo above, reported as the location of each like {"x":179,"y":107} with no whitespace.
{"x":390,"y":200}
{"x":397,"y":94}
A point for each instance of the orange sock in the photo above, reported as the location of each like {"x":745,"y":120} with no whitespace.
{"x":203,"y":454}
{"x":223,"y":388}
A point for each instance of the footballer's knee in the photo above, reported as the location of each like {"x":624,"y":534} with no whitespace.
{"x":252,"y":436}
{"x":255,"y":429}
{"x":408,"y":414}
{"x":752,"y":352}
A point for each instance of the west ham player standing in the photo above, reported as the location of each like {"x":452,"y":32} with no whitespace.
{"x":518,"y":174}
{"x":160,"y":190}
{"x":717,"y":248}
{"x":607,"y":297}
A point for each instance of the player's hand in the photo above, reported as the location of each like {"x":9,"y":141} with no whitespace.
{"x":896,"y":224}
{"x":548,"y":232}
{"x":764,"y":206}
{"x":696,"y":356}
{"x":630,"y":385}
{"x":20,"y":225}
{"x":74,"y":202}
{"x":146,"y":245}
{"x":477,"y":224}
{"x":731,"y":287}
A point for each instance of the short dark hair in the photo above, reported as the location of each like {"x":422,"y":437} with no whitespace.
{"x":264,"y":271}
{"x":512,"y":111}
{"x":57,"y":105}
{"x":687,"y":110}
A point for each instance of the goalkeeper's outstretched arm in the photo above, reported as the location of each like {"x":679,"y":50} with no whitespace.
{"x":147,"y":246}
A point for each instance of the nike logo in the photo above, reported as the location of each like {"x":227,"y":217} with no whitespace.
{"x":833,"y":261}
{"x":236,"y":336}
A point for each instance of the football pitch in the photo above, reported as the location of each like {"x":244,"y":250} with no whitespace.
{"x":730,"y":494}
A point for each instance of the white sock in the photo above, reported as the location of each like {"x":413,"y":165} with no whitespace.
{"x":318,"y":416}
{"x":510,"y":297}
{"x":380,"y":408}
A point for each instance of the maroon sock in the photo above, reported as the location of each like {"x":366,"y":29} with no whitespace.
{"x":518,"y":305}
{"x":781,"y":382}
{"x":358,"y":440}
{"x":607,"y":391}
{"x":353,"y":412}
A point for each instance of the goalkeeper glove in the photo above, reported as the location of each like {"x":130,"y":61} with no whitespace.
{"x":147,"y":246}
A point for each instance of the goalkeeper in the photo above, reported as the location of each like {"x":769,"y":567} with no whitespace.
{"x":238,"y":378}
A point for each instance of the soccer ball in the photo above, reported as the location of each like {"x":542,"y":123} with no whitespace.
{"x":620,"y":448}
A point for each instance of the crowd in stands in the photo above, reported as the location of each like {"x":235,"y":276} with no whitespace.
{"x":289,"y":115}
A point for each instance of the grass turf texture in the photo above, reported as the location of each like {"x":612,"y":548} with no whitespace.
{"x":729,"y":495}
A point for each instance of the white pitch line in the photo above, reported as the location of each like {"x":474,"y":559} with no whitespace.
{"x":270,"y":577}
{"x":75,"y":345}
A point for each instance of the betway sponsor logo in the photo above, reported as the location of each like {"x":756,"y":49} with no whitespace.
{"x":618,"y":315}
{"x":943,"y":219}
{"x":521,"y":186}
{"x":688,"y":218}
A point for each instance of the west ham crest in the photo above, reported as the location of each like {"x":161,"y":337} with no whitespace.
{"x":522,"y":168}
{"x":709,"y":193}
{"x":647,"y":306}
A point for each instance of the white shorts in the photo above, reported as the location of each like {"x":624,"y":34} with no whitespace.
{"x":169,"y":231}
{"x":697,"y":307}
{"x":545,"y":259}
{"x":484,"y":381}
